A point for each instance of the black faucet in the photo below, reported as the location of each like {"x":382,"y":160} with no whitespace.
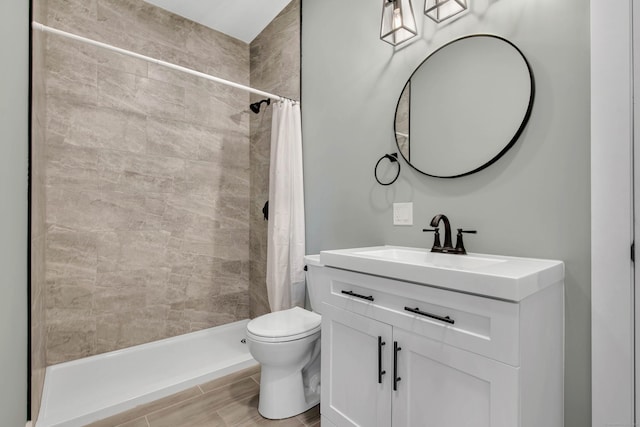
{"x":459,"y":249}
{"x":447,"y":248}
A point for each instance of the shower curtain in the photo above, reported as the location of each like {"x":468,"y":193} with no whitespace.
{"x":286,"y":246}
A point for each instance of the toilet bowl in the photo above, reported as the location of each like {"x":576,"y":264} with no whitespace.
{"x":287,"y":345}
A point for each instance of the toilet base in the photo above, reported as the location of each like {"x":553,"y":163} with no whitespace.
{"x":290,"y":365}
{"x":283,"y":394}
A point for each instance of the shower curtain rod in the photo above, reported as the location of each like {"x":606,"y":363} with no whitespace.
{"x":38,"y":26}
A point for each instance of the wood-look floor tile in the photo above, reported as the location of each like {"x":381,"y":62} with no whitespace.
{"x":202,"y":410}
{"x":231,"y":401}
{"x":142,"y":410}
{"x":119,"y":419}
{"x":244,"y":413}
{"x":230,"y":379}
{"x":138,"y":422}
{"x":210,"y":420}
{"x":165,"y":402}
{"x":310,"y":417}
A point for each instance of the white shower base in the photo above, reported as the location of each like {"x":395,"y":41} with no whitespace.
{"x":86,"y":390}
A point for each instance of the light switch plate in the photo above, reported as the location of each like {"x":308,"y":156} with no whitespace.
{"x":403,"y":213}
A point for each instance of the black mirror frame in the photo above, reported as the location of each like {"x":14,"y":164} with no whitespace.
{"x":515,"y":137}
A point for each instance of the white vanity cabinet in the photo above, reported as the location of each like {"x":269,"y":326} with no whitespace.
{"x":447,"y":387}
{"x":396,"y":353}
{"x":357,"y":393}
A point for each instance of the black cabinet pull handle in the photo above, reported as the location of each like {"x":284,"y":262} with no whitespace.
{"x":380,"y":371}
{"x":445,"y":319}
{"x":396,"y":378}
{"x":353,"y":294}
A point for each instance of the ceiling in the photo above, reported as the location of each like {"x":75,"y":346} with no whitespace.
{"x":241,"y":19}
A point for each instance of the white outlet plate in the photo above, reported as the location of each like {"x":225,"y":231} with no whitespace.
{"x":403,"y":213}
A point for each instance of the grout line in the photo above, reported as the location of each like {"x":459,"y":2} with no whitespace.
{"x":147,"y":420}
{"x":200,"y":388}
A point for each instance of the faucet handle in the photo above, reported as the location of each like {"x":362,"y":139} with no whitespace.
{"x":459,"y":243}
{"x":436,"y":236}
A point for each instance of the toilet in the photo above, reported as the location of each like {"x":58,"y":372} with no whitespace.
{"x":287,"y":345}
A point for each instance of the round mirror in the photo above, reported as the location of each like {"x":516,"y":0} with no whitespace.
{"x":464,"y":106}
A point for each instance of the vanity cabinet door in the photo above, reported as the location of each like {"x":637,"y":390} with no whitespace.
{"x":351,"y":392}
{"x":443,"y":386}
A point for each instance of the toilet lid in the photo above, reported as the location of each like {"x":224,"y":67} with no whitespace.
{"x":285,"y":323}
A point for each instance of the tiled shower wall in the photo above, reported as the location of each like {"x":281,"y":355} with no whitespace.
{"x":140,"y":201}
{"x":145,"y":185}
{"x":275,"y":67}
{"x":147,"y":180}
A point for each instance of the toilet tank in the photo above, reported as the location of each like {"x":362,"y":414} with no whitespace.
{"x":317,"y":281}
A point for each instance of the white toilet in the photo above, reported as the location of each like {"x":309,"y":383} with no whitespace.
{"x":287,"y":346}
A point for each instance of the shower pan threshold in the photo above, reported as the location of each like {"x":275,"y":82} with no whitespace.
{"x":82,"y":391}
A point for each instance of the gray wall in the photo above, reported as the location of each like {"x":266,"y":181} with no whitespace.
{"x":533,"y":202}
{"x":14,"y":41}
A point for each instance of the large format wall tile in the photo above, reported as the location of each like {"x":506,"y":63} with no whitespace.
{"x":142,"y":200}
{"x":104,"y":128}
{"x":147,"y":180}
{"x":133,"y":93}
{"x":152,"y":182}
{"x":71,"y":71}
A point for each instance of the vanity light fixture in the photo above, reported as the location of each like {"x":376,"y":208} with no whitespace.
{"x":440,"y":10}
{"x":398,"y":21}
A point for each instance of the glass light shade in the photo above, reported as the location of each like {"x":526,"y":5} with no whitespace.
{"x":439,"y":10}
{"x":398,"y":21}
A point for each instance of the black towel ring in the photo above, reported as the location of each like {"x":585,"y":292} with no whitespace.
{"x":393,"y":158}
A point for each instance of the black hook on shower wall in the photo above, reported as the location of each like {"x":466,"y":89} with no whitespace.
{"x":255,"y":107}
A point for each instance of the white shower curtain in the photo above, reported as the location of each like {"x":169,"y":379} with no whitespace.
{"x":286,"y":246}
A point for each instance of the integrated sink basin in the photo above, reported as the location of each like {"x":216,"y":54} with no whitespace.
{"x":503,"y":277}
{"x":426,"y":258}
